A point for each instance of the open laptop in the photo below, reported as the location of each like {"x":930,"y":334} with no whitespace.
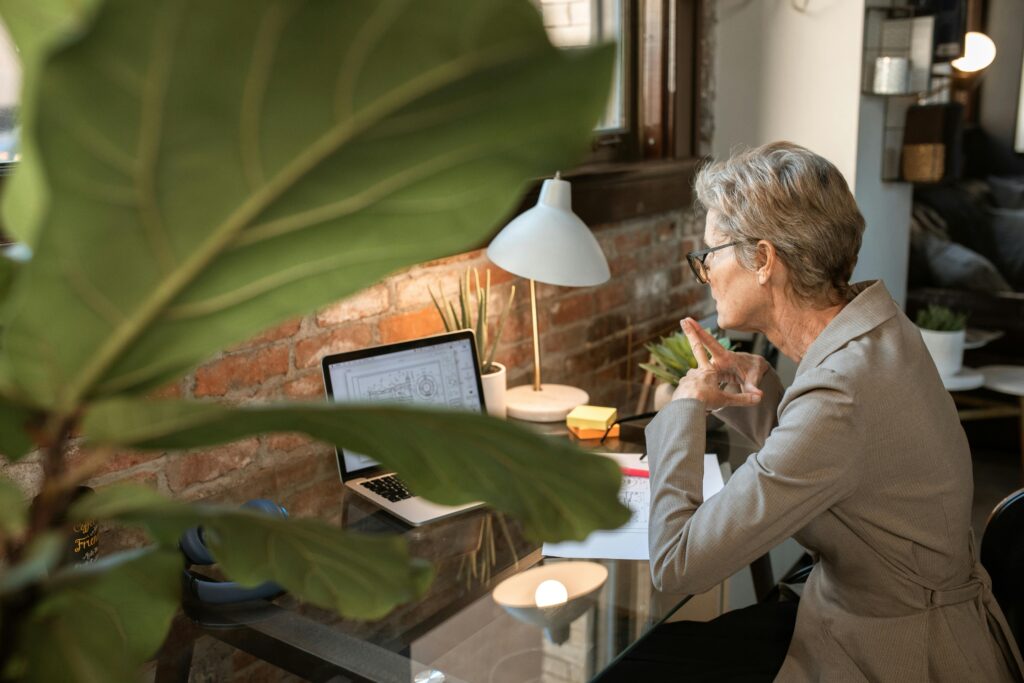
{"x":439,"y":371}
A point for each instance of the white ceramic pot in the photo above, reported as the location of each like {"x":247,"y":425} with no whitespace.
{"x":494,"y":390}
{"x":946,"y":349}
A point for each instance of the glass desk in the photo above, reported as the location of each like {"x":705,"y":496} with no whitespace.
{"x":456,"y":632}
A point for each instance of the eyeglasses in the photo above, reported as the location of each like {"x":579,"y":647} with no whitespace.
{"x":696,"y":260}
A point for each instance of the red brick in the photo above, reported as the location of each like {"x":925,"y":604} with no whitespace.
{"x":147,"y":478}
{"x":372,"y":301}
{"x":117,"y":461}
{"x":298,"y":471}
{"x":309,"y":352}
{"x":317,"y":499}
{"x":308,"y":386}
{"x":611,"y":296}
{"x":420,"y":323}
{"x":413,"y":289}
{"x":633,"y":240}
{"x":572,"y":309}
{"x":283,"y":331}
{"x":665,"y":231}
{"x":288,"y":441}
{"x":623,"y":265}
{"x":186,"y":469}
{"x":241,"y":370}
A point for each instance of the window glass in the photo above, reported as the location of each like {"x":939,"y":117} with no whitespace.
{"x":10,"y":84}
{"x":578,"y":23}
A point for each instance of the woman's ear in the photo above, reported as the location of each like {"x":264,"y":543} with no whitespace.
{"x":767,"y":260}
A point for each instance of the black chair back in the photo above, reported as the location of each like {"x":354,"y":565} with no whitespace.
{"x":1002,"y":554}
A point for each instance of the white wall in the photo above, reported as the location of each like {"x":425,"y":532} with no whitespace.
{"x":781,"y":74}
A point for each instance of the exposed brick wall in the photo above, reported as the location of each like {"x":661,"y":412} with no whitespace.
{"x":590,"y":337}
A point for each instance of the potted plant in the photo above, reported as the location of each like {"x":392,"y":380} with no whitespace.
{"x":671,"y":358}
{"x":208,"y":200}
{"x":493,"y":374}
{"x":943,"y":331}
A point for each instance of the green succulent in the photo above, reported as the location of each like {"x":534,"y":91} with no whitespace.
{"x":673,"y":356}
{"x":461,"y":318}
{"x":941,"y":319}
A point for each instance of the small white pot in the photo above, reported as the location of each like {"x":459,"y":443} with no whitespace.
{"x":494,"y":390}
{"x":946,"y":349}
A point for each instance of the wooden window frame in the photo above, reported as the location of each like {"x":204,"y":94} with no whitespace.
{"x":649,"y":168}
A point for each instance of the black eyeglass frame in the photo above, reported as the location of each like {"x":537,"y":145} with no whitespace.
{"x":697,"y":257}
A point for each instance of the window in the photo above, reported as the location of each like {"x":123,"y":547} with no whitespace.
{"x":644,"y":148}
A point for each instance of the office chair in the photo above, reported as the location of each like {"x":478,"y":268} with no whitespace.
{"x":1002,"y":555}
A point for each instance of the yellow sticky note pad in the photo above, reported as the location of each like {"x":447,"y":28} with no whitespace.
{"x":592,"y":417}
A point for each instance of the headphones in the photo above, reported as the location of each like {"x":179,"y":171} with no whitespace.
{"x":214,"y":592}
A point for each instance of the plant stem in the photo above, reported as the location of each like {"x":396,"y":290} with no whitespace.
{"x":48,"y":508}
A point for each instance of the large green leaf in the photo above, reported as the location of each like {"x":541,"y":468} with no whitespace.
{"x":36,"y":27}
{"x":39,"y":558}
{"x":13,"y":510}
{"x":230,"y":164}
{"x":14,"y":422}
{"x":99,"y":622}
{"x":358,"y":575}
{"x":555,"y":490}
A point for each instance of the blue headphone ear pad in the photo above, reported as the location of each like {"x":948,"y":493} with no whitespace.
{"x":268,"y":506}
{"x":192,"y":546}
{"x":228,"y":592}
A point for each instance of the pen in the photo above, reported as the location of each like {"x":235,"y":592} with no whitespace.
{"x":633,"y":472}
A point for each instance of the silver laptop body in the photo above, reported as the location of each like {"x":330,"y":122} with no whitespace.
{"x":440,"y":371}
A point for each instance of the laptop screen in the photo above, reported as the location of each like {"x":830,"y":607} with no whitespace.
{"x":437,"y":371}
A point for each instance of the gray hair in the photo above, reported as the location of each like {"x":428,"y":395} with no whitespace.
{"x":798,"y":201}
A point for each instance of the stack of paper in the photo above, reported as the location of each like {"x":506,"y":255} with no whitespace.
{"x":629,"y":541}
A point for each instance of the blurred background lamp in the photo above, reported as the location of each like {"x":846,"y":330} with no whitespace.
{"x":979,"y":52}
{"x":549,"y":244}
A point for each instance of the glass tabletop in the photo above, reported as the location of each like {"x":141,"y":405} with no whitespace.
{"x":457,"y":631}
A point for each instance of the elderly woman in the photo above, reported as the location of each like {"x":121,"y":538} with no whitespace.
{"x":862,"y":460}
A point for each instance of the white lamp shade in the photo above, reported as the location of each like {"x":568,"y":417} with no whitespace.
{"x":550,"y":244}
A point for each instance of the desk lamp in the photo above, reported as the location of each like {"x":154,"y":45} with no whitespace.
{"x":549,"y":244}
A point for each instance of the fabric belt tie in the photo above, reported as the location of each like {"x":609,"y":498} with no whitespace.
{"x":979,"y":590}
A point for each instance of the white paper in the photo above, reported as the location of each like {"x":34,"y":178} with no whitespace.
{"x":629,"y":541}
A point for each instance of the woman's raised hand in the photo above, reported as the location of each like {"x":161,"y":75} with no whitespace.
{"x":709,"y":381}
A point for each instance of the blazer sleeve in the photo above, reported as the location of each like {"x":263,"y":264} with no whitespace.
{"x":756,"y":422}
{"x":807,"y":464}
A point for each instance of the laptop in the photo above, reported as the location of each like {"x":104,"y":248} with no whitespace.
{"x":439,"y":371}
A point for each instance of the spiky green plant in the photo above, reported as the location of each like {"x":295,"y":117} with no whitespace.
{"x":673,"y":357}
{"x":941,"y":319}
{"x":462,"y":318}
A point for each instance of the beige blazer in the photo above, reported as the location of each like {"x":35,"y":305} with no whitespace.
{"x":864,"y":462}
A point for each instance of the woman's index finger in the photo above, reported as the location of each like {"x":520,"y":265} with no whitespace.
{"x":689,"y":328}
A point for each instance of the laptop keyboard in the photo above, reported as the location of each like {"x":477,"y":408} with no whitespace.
{"x":390,"y":487}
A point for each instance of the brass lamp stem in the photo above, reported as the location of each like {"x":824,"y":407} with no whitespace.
{"x":536,"y":337}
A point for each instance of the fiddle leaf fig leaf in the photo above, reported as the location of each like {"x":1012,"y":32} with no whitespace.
{"x":13,"y":510}
{"x":195,"y":201}
{"x":101,"y":621}
{"x":358,"y":575}
{"x":555,"y":490}
{"x":39,"y":559}
{"x":15,"y":441}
